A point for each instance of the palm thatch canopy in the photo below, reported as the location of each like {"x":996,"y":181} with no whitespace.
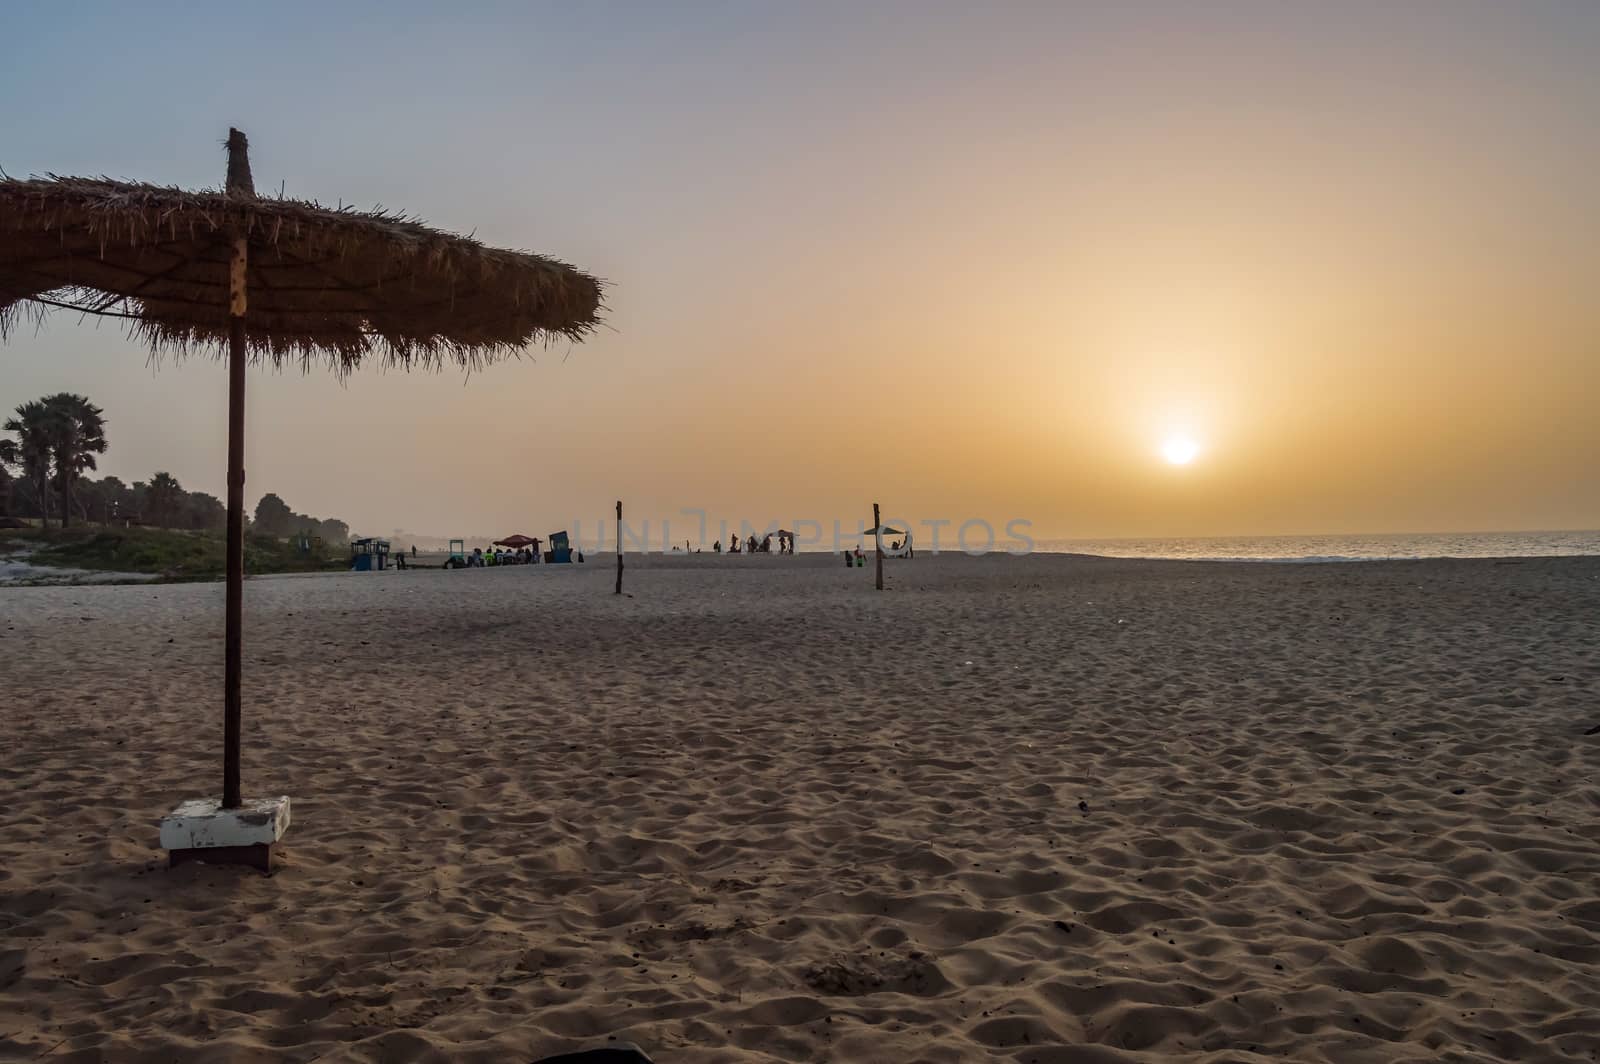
{"x":272,"y":280}
{"x":323,"y":282}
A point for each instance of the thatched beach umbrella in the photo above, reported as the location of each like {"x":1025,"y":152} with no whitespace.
{"x":273,"y":281}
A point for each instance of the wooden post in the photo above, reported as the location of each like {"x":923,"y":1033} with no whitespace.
{"x":877,"y":542}
{"x":239,"y":183}
{"x":619,"y":547}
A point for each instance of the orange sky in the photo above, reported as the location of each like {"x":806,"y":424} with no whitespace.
{"x":1352,"y":254}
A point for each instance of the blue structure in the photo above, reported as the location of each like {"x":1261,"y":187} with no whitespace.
{"x":458,"y":555}
{"x":368,"y":555}
{"x":560,"y":550}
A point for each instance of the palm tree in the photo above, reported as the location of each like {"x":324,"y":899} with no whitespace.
{"x":31,"y":450}
{"x":161,"y":498}
{"x":77,"y":434}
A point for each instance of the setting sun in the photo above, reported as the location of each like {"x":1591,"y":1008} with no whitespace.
{"x":1179,"y":450}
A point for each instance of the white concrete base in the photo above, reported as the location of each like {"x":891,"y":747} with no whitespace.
{"x":202,"y":824}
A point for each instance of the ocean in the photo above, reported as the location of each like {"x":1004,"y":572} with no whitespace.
{"x":1338,"y":548}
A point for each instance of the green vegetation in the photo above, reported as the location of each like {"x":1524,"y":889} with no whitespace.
{"x":50,"y":443}
{"x":62,"y":432}
{"x":274,"y":518}
{"x":172,"y":554}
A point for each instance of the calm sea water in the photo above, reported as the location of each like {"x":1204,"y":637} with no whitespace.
{"x":1339,"y":548}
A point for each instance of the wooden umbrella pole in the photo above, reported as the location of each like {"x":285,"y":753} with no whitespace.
{"x":619,"y":547}
{"x":231,"y":798}
{"x":877,"y":540}
{"x":239,"y":182}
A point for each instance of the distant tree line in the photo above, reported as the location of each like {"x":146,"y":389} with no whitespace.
{"x":48,"y":445}
{"x":274,"y":518}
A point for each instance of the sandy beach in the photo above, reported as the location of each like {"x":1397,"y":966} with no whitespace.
{"x":1048,"y":809}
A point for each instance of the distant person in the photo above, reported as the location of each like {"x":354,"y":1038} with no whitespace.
{"x":716,"y":548}
{"x":733,"y":544}
{"x":413,"y":550}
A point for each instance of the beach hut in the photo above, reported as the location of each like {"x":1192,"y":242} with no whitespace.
{"x":270,"y":281}
{"x":369,"y":555}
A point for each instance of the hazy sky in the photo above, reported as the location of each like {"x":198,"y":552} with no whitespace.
{"x":975,"y":260}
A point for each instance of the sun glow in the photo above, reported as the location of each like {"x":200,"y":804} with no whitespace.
{"x":1179,"y":450}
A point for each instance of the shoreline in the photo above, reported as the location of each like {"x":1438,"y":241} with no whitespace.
{"x":14,"y":574}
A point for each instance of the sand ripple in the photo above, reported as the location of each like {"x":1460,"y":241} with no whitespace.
{"x":1051,"y":810}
